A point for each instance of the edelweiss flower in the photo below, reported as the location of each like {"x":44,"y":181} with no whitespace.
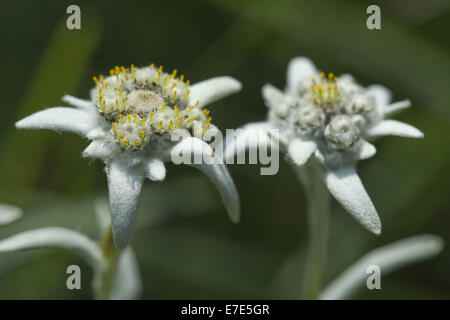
{"x":133,"y":119}
{"x":334,"y":119}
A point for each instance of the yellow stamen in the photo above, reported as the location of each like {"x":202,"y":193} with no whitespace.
{"x":142,"y":134}
{"x":138,"y":143}
{"x":191,"y":118}
{"x":179,"y":122}
{"x":120,"y":136}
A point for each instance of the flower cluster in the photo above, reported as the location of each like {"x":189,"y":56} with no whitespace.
{"x":147,"y":103}
{"x":135,"y":119}
{"x":333,"y":118}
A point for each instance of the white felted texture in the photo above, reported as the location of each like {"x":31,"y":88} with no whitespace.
{"x":381,"y":94}
{"x":396,"y":107}
{"x":272,"y":96}
{"x":213,"y":89}
{"x":345,"y":185}
{"x":60,"y":119}
{"x":388,"y":258}
{"x":365,"y":150}
{"x":127,"y":283}
{"x":299,"y":69}
{"x":393,"y":128}
{"x":219,"y":175}
{"x":55,"y":237}
{"x":9,"y":213}
{"x":300,"y":150}
{"x":99,"y":149}
{"x":124,"y":185}
{"x":155,"y":169}
{"x":77,"y":102}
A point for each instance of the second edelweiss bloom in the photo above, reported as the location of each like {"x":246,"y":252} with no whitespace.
{"x":332,"y":118}
{"x":136,"y":118}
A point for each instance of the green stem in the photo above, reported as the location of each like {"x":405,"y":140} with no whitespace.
{"x":318,"y":211}
{"x":106,"y":276}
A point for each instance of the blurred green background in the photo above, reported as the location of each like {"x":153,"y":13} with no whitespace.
{"x":185,"y":244}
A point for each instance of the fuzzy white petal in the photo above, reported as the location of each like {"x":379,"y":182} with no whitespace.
{"x":219,"y":175}
{"x":381,"y":94}
{"x":299,"y":69}
{"x":272,"y":96}
{"x":127,"y":283}
{"x":366,"y":150}
{"x":249,"y":136}
{"x":393,"y":108}
{"x":393,"y":128}
{"x":99,"y":149}
{"x":213,"y":89}
{"x":55,"y":237}
{"x":124,"y":185}
{"x":155,"y":169}
{"x":388,"y":258}
{"x":346,"y":187}
{"x":300,"y":150}
{"x":9,"y":214}
{"x":77,"y":102}
{"x":60,"y":119}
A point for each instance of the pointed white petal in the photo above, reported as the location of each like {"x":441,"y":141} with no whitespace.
{"x":389,"y":258}
{"x":346,"y":187}
{"x":155,"y":169}
{"x":365,"y":150}
{"x":213,"y":89}
{"x":272,"y":96}
{"x":393,"y":128}
{"x":396,"y":107}
{"x":127,"y":284}
{"x":381,"y":94}
{"x":60,"y":119}
{"x":77,"y":102}
{"x":300,"y":150}
{"x":99,"y":149}
{"x":299,"y":69}
{"x":9,"y":214}
{"x":55,"y":238}
{"x":124,"y":185}
{"x":249,"y":136}
{"x":219,"y":175}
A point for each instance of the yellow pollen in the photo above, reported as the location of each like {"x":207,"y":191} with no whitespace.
{"x":177,"y":111}
{"x":120,"y":117}
{"x":151,"y":116}
{"x":163,"y":106}
{"x":114,"y":126}
{"x":188,"y":82}
{"x":120,"y":136}
{"x":191,"y":118}
{"x":170,"y":124}
{"x":187,"y":93}
{"x":141,"y":133}
{"x":160,"y":124}
{"x":138,"y":143}
{"x":182,"y":77}
{"x":95,"y":80}
{"x":117,"y":102}
{"x":206,"y":128}
{"x":179,"y":121}
{"x":152,"y":65}
{"x":125,"y":142}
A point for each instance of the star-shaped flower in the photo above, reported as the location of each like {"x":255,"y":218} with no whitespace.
{"x":333,"y":119}
{"x":133,"y":119}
